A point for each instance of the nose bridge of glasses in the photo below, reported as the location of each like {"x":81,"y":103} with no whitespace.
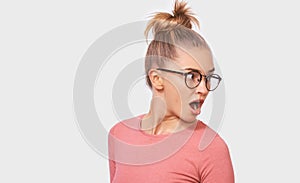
{"x":202,"y":77}
{"x":207,"y":83}
{"x":201,"y":85}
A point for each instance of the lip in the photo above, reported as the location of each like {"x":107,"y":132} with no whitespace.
{"x":198,"y":100}
{"x":201,"y":101}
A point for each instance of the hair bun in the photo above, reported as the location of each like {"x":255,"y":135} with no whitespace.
{"x":182,"y":15}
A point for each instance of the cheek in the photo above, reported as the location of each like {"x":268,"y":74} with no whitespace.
{"x":171,"y":94}
{"x":176,"y":96}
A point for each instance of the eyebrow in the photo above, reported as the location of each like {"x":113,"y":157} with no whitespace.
{"x":192,"y":69}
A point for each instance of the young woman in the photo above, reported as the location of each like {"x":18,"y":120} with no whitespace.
{"x":163,"y":145}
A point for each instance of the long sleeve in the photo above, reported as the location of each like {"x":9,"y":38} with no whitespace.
{"x":112,"y":169}
{"x":112,"y":164}
{"x":216,"y":165}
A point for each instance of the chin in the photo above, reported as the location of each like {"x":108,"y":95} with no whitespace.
{"x":189,"y":118}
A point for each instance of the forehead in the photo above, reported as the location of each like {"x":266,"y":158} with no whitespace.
{"x":197,"y":58}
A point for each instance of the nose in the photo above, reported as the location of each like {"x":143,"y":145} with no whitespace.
{"x":201,"y":88}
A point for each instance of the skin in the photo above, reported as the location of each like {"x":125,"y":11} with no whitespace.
{"x":170,"y":110}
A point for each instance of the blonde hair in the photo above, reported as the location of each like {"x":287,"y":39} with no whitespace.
{"x":170,"y":31}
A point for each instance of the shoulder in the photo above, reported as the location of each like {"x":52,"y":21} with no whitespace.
{"x":209,"y":139}
{"x":208,"y":144}
{"x":126,"y":126}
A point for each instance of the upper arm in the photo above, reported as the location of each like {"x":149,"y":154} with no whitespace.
{"x":216,"y":165}
{"x":112,"y":164}
{"x":112,"y":169}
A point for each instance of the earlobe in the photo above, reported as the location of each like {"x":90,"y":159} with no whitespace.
{"x":156,"y":80}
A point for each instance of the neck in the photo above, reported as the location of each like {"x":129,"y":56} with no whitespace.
{"x":157,"y":124}
{"x":161,"y":121}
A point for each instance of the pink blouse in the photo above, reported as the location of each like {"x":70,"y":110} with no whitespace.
{"x":197,"y":154}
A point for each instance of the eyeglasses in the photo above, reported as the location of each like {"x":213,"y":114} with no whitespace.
{"x":194,"y":77}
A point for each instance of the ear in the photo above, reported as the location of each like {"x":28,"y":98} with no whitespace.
{"x":156,"y":80}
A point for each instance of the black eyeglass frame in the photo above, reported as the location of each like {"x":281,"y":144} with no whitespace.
{"x":189,"y":72}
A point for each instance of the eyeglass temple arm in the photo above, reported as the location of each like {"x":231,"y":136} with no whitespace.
{"x":176,"y":72}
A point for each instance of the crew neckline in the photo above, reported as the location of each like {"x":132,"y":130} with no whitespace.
{"x":140,"y":118}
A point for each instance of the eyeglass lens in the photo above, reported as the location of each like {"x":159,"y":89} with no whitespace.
{"x":193,"y":79}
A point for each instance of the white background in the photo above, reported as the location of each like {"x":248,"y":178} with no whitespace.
{"x":256,"y":44}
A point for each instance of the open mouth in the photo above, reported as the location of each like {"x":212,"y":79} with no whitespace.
{"x":196,"y":106}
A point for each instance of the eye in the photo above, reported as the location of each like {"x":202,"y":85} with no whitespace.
{"x":190,"y":75}
{"x":213,"y":76}
{"x":193,"y":76}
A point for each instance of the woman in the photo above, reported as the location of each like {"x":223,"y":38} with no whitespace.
{"x":163,"y":145}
